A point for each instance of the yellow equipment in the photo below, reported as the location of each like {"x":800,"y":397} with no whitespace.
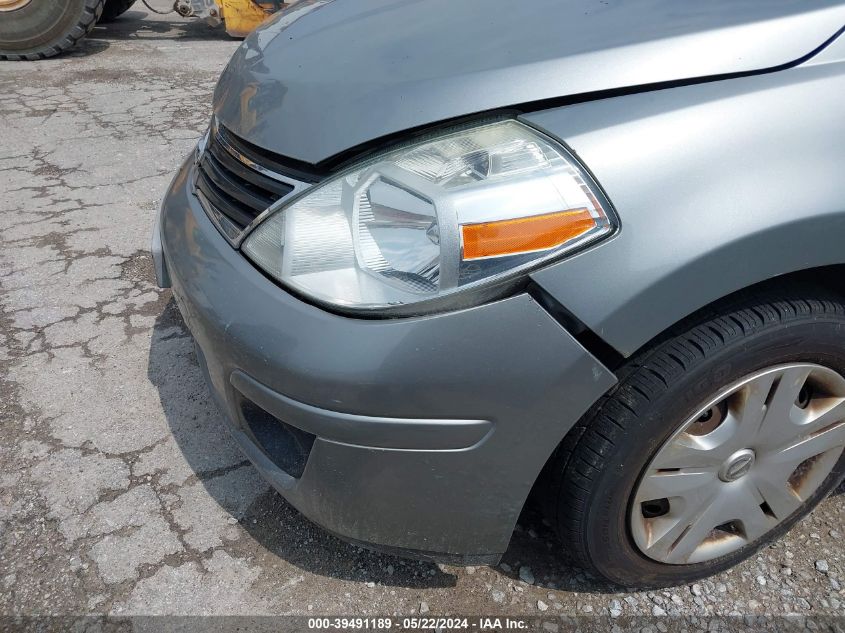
{"x":242,"y":16}
{"x":36,"y":29}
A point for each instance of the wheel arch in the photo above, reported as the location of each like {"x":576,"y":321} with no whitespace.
{"x":677,"y":300}
{"x":827,"y":277}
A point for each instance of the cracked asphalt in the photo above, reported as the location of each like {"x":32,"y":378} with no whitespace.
{"x":120,"y":491}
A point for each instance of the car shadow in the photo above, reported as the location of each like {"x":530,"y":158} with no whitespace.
{"x":201,"y":436}
{"x":279,"y":528}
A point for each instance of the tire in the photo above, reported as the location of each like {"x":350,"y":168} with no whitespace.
{"x":113,"y":9}
{"x":595,"y":472}
{"x":42,"y":29}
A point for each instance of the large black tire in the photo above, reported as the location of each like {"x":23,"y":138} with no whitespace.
{"x":592,"y":476}
{"x":113,"y":9}
{"x":43,"y":29}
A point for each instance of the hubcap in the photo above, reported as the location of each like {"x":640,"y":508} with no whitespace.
{"x":12,"y":5}
{"x":741,"y":465}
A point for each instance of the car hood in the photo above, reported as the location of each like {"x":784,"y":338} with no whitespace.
{"x":326,"y":76}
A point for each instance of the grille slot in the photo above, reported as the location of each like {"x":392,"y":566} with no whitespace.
{"x":233,"y":186}
{"x":286,"y":446}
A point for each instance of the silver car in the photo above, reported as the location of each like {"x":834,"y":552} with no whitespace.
{"x":440,"y":255}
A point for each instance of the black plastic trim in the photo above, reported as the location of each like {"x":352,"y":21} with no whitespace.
{"x":291,"y":167}
{"x":606,"y":354}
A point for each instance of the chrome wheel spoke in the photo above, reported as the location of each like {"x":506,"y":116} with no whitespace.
{"x":688,"y":483}
{"x":754,"y":521}
{"x":831,"y":411}
{"x":779,"y":411}
{"x":691,"y":494}
{"x":678,"y":543}
{"x":753,"y":406}
{"x":776,"y":493}
{"x":789,"y":385}
{"x":740,"y":466}
{"x":796,"y":452}
{"x":688,"y":452}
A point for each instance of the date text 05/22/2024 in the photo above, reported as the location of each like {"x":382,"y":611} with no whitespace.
{"x":418,"y":623}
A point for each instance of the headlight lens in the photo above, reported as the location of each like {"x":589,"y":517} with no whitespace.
{"x":464,"y":211}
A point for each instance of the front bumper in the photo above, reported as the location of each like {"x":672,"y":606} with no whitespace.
{"x":428,"y":433}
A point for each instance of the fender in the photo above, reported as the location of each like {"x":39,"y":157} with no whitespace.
{"x":709,"y":194}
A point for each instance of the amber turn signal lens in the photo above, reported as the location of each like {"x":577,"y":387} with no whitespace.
{"x":524,"y":235}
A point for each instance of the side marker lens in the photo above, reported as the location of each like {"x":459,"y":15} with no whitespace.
{"x":524,"y":235}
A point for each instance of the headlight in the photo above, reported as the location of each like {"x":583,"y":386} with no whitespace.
{"x":466,"y":211}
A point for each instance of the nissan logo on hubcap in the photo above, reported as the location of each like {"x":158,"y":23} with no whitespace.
{"x":737,"y":465}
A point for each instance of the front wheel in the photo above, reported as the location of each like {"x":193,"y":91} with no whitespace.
{"x":35,"y":29}
{"x":715,"y":442}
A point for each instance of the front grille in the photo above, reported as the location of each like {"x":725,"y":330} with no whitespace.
{"x":233,"y":186}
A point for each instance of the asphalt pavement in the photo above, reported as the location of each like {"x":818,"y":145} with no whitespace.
{"x":120,"y":491}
